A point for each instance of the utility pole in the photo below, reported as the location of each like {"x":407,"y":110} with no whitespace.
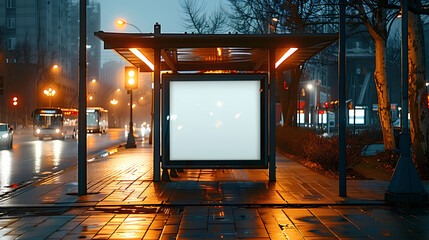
{"x":82,"y":152}
{"x":405,"y":185}
{"x":342,"y":102}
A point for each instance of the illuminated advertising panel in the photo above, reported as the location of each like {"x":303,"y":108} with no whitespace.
{"x":214,"y":120}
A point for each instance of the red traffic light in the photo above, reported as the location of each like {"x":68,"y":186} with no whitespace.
{"x":15,"y":101}
{"x":327,"y":105}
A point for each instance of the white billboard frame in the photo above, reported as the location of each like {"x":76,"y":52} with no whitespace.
{"x":233,"y":88}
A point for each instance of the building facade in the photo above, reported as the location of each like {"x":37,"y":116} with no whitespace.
{"x":39,"y":50}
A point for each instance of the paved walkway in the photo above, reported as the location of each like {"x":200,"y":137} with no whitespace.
{"x":124,"y":203}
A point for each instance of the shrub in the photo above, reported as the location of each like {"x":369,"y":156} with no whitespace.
{"x":309,"y":146}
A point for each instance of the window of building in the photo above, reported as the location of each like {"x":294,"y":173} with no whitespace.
{"x":11,"y":43}
{"x":358,"y":44}
{"x":10,"y":3}
{"x":11,"y":23}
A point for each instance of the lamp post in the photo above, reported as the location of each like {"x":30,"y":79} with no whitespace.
{"x":272,"y":26}
{"x":122,"y":22}
{"x":405,"y":185}
{"x":38,"y":80}
{"x":114,"y":102}
{"x":131,"y":82}
{"x":50,"y":93}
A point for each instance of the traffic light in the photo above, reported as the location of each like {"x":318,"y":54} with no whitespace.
{"x":327,"y":106}
{"x":131,"y":78}
{"x":15,"y":101}
{"x":350,"y":105}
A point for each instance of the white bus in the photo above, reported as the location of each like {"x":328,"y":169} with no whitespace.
{"x":97,"y":120}
{"x":56,"y":123}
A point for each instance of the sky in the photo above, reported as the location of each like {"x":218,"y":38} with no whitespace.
{"x":144,"y":14}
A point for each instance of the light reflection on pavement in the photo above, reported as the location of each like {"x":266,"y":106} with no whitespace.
{"x":31,"y":158}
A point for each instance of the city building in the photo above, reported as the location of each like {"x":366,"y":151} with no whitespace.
{"x":39,"y":50}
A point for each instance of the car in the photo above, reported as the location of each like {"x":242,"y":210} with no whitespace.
{"x":6,"y":136}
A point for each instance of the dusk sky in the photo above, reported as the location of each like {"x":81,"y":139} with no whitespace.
{"x":144,"y":14}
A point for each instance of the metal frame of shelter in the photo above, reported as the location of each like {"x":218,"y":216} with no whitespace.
{"x":242,"y":53}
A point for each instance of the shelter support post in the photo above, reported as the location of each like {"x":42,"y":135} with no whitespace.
{"x":156,"y":116}
{"x":342,"y":103}
{"x":156,"y":109}
{"x":272,"y":111}
{"x":81,"y":149}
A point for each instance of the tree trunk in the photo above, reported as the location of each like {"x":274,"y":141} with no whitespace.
{"x":380,"y":79}
{"x":417,"y":92}
{"x":290,"y":118}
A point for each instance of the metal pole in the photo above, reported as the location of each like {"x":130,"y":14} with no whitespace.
{"x":156,"y":109}
{"x":82,"y":168}
{"x":272,"y":111}
{"x":131,"y":143}
{"x":354,"y":105}
{"x":299,"y":109}
{"x":405,"y":185}
{"x":131,"y":112}
{"x":342,"y":102}
{"x":404,"y":78}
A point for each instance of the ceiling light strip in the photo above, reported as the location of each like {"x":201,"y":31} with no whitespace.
{"x":285,"y":56}
{"x":142,"y":57}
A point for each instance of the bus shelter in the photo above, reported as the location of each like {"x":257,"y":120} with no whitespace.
{"x":214,"y":95}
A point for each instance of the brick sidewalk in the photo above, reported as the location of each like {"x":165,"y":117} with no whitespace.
{"x":200,"y":204}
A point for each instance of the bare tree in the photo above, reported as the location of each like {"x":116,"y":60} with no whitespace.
{"x":378,"y":20}
{"x":199,"y":20}
{"x":417,"y":91}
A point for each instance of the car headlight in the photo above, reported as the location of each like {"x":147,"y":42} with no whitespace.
{"x":37,"y":131}
{"x":57,"y":130}
{"x":4,"y":135}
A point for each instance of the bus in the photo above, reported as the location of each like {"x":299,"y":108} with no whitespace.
{"x":96,"y":120}
{"x":56,"y":123}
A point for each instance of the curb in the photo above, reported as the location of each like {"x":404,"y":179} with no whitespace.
{"x":90,"y":159}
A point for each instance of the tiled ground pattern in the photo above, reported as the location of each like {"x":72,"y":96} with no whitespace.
{"x":126,"y":178}
{"x":200,"y":222}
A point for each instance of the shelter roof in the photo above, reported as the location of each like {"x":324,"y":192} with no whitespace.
{"x":211,"y":52}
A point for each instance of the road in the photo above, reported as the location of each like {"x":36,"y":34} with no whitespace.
{"x":31,"y":159}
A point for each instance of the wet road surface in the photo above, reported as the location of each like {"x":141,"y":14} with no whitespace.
{"x":31,"y":159}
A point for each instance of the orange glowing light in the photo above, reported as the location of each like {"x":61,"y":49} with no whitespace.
{"x":120,"y":22}
{"x":287,"y":54}
{"x":131,"y":81}
{"x":142,"y":57}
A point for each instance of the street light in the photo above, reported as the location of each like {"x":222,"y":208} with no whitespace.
{"x":272,"y":25}
{"x":122,"y":22}
{"x":131,"y":82}
{"x":114,"y":101}
{"x":50,"y":93}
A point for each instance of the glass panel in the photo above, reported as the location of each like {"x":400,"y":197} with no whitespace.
{"x":92,"y":119}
